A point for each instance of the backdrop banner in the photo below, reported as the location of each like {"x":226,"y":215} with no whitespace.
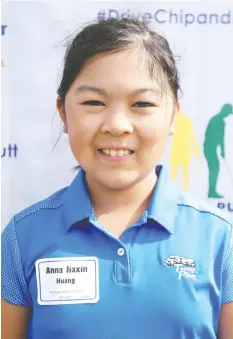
{"x":34,"y":36}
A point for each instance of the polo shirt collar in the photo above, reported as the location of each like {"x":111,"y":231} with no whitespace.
{"x":162,"y":207}
{"x":76,"y":201}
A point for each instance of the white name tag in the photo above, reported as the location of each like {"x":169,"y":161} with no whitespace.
{"x":67,"y":280}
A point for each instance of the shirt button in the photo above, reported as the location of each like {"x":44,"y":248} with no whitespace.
{"x":121,"y":251}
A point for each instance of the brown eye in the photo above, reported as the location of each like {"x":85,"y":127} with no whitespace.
{"x":143,"y":104}
{"x":93,"y":103}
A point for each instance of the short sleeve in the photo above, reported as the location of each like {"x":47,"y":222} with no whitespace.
{"x":227,"y":278}
{"x":14,"y":285}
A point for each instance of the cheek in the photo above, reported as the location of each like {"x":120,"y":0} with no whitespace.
{"x":82,"y":134}
{"x":80,"y":141}
{"x":81,"y":128}
{"x":154,"y":133}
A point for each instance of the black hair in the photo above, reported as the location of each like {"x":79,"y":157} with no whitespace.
{"x":112,"y":35}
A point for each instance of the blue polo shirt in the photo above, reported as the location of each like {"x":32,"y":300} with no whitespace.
{"x":165,"y":278}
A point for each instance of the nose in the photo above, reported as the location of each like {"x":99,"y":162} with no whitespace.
{"x":117,"y":123}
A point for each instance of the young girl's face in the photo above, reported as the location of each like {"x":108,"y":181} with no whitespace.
{"x":118,"y":119}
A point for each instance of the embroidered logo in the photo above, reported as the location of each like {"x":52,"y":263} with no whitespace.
{"x":185,"y":267}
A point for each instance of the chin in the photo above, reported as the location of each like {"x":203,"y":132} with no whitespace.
{"x":120,"y":180}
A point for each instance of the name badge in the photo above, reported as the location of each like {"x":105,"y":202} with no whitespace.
{"x":67,"y":280}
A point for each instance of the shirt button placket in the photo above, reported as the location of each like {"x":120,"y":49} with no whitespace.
{"x":122,"y":267}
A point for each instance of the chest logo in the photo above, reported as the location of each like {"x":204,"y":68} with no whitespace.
{"x":185,"y":267}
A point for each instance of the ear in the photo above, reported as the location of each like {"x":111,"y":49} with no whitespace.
{"x":176,"y":110}
{"x":61,"y":110}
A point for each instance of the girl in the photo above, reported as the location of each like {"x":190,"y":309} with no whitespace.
{"x":121,"y":253}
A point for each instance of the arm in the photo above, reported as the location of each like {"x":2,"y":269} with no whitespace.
{"x":225,"y":329}
{"x":16,"y":299}
{"x":226,"y":322}
{"x":222,"y":143}
{"x":15,"y":321}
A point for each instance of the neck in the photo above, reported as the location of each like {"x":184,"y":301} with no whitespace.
{"x":106,"y":200}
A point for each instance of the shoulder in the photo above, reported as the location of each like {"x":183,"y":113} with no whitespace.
{"x":205,"y":224}
{"x":40,"y":209}
{"x":200,"y":209}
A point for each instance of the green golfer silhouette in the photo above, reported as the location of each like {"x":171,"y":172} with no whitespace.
{"x":214,"y":138}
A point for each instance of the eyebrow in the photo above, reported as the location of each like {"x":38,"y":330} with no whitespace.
{"x":87,"y":88}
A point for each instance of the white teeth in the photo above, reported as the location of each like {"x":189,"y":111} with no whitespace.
{"x":120,"y":153}
{"x":126,"y":152}
{"x":114,"y":153}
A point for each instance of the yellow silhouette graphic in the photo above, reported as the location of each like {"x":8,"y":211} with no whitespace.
{"x":3,"y":65}
{"x":184,"y":145}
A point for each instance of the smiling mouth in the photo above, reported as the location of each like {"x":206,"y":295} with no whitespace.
{"x":116,"y":153}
